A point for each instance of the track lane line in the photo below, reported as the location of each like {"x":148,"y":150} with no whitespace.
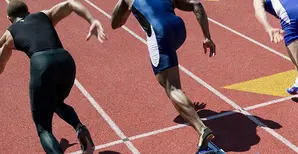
{"x":178,"y":126}
{"x":211,"y":20}
{"x":111,"y":123}
{"x":268,"y":103}
{"x":249,"y":39}
{"x":107,"y":118}
{"x":213,"y":90}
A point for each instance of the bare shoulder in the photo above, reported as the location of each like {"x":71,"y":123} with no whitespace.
{"x":45,"y":12}
{"x":54,"y":9}
{"x":7,"y":39}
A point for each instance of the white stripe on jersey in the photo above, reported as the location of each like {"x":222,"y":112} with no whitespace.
{"x":280,"y":11}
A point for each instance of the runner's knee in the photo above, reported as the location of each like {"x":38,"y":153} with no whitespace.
{"x":42,"y":129}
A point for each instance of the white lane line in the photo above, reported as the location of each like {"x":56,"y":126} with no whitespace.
{"x":171,"y":128}
{"x":102,"y":146}
{"x":157,"y":131}
{"x":124,"y":27}
{"x":211,"y":20}
{"x":250,"y":39}
{"x":223,"y":97}
{"x":104,"y":115}
{"x":268,"y":103}
{"x":180,"y":126}
{"x":237,"y":107}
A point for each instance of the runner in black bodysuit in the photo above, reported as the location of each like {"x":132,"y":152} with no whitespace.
{"x":52,"y":68}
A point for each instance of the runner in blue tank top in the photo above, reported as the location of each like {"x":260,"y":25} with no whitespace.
{"x":287,"y":12}
{"x":165,"y":34}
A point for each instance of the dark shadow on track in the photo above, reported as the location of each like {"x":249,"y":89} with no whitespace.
{"x":235,"y":132}
{"x":64,"y":143}
{"x":295,"y":99}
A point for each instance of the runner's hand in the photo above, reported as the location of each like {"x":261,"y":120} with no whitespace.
{"x":208,"y":43}
{"x":275,"y":34}
{"x":96,"y":29}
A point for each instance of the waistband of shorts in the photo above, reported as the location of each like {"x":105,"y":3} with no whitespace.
{"x":49,"y":51}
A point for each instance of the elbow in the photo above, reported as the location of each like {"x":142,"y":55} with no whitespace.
{"x":2,"y":66}
{"x":1,"y":70}
{"x":114,"y":26}
{"x":71,"y":3}
{"x":258,"y":15}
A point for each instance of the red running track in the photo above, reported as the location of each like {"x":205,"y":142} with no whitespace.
{"x":118,"y":76}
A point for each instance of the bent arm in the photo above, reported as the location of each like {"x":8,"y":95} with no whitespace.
{"x":6,"y":48}
{"x":120,"y":14}
{"x":260,"y":13}
{"x":63,"y":9}
{"x":199,"y":11}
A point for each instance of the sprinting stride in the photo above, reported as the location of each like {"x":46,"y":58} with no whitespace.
{"x":166,"y":32}
{"x":52,"y":68}
{"x":287,"y":12}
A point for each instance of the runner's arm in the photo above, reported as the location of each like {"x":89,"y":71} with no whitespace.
{"x":120,"y":14}
{"x":201,"y":15}
{"x":63,"y":9}
{"x":6,"y":47}
{"x":199,"y":11}
{"x":260,"y":13}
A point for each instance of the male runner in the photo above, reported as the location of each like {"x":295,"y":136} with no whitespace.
{"x":165,"y":34}
{"x":52,"y":68}
{"x":287,"y":12}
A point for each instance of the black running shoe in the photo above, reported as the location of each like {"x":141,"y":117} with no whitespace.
{"x":85,"y":139}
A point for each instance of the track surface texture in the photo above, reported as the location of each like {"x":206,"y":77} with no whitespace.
{"x":239,"y":93}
